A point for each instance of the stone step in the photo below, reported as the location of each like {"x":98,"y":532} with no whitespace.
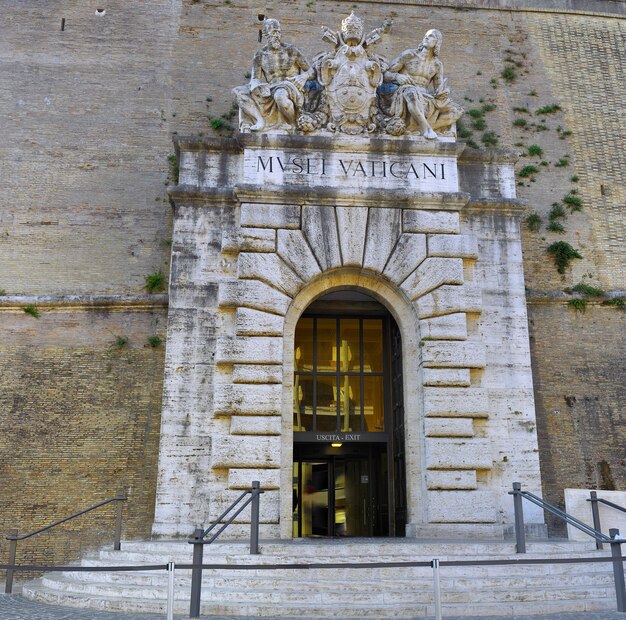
{"x":315,"y":595}
{"x":391,"y":592}
{"x":334,"y":610}
{"x":270,"y":581}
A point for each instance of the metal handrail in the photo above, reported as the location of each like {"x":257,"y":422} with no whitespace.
{"x":13,"y":535}
{"x":595,"y":513}
{"x":564,"y":516}
{"x":198,"y":540}
{"x":605,"y":501}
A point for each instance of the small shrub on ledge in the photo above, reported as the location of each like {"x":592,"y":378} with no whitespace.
{"x":155,"y":282}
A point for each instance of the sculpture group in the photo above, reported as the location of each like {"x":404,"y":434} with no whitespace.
{"x":350,"y":89}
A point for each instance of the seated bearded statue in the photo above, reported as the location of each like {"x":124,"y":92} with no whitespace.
{"x":274,"y":97}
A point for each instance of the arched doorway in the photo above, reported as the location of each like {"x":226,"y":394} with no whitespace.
{"x":348,"y":420}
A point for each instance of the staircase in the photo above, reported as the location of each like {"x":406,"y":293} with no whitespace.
{"x":345,"y":592}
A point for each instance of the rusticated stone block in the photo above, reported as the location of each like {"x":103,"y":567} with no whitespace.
{"x":249,"y":240}
{"x":446,"y":327}
{"x":464,"y":246}
{"x":461,"y":507}
{"x":451,"y":480}
{"x":251,"y":322}
{"x":270,"y":216}
{"x":247,"y":399}
{"x":447,"y":377}
{"x":249,"y":350}
{"x":352,"y":224}
{"x":319,"y":224}
{"x":430,"y":221}
{"x":458,"y":454}
{"x":384,"y":226}
{"x":432,"y":273}
{"x":409,"y":252}
{"x":448,"y":300}
{"x":257,"y":373}
{"x":271,"y":269}
{"x":246,"y":451}
{"x":295,"y":251}
{"x":252,"y":294}
{"x":450,"y":354}
{"x":243,"y":478}
{"x":448,"y":427}
{"x":456,"y":402}
{"x":255,"y":425}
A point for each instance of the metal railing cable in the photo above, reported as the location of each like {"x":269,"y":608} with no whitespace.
{"x":613,"y":539}
{"x":13,"y":536}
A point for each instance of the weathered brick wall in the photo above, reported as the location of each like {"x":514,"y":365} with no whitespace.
{"x":87,"y":124}
{"x":579,"y":387}
{"x":80,"y":421}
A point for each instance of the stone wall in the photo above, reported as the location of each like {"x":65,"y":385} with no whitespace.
{"x":88,"y":118}
{"x":80,"y":422}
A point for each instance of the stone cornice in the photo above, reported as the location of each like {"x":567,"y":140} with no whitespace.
{"x":85,"y":302}
{"x":499,"y":206}
{"x":602,"y":8}
{"x":193,"y":195}
{"x":487,"y":156}
{"x":351,"y":198}
{"x":538,"y":298}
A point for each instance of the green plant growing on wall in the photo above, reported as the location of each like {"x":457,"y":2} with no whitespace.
{"x":555,"y":227}
{"x":533,"y":222}
{"x":3,"y":292}
{"x":462,"y":131}
{"x":493,"y":82}
{"x":520,"y":122}
{"x":479,"y":124}
{"x":574,"y":203}
{"x":618,"y":302}
{"x":475,"y":113}
{"x":155,"y":282}
{"x":575,"y":178}
{"x":527,"y":171}
{"x":154,"y":341}
{"x":588,"y":290}
{"x":578,"y":304}
{"x":548,"y":109}
{"x":556,"y":211}
{"x":174,"y":168}
{"x":489,"y":138}
{"x":508,"y":74}
{"x":489,"y":107}
{"x":120,"y":342}
{"x":535,"y":150}
{"x":472,"y":144}
{"x":562,"y":253}
{"x":521,"y":110}
{"x":562,"y":163}
{"x":32,"y":311}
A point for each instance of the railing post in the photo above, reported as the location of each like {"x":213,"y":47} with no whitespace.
{"x":254,"y":518}
{"x":595,"y":511}
{"x":118,"y":525}
{"x":8,"y":586}
{"x":520,"y":534}
{"x":196,"y":573}
{"x":171,"y":567}
{"x":618,"y":571}
{"x":435,"y":565}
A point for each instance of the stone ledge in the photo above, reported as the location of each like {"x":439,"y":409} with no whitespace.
{"x":319,"y":196}
{"x":84,"y":302}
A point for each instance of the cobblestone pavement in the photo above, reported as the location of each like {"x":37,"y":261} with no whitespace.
{"x":14,"y":607}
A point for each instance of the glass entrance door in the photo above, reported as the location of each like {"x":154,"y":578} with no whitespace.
{"x":341,"y":495}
